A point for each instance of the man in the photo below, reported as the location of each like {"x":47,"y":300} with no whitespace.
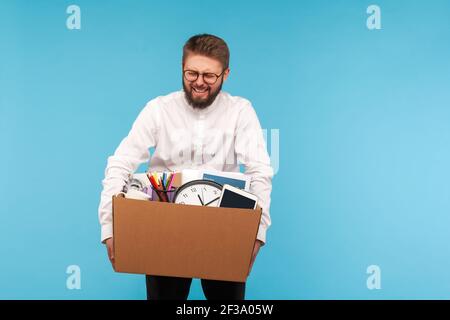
{"x":199,"y":127}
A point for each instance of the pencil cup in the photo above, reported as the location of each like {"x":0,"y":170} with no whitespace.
{"x":163,"y":195}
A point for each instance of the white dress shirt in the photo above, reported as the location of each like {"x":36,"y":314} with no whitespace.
{"x":219,"y":137}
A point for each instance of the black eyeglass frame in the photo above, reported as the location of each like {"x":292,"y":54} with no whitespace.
{"x":203,"y":75}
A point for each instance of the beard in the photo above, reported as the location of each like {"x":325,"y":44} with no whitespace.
{"x":198,"y":103}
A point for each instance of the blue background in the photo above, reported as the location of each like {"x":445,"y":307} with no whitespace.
{"x":364,"y":138}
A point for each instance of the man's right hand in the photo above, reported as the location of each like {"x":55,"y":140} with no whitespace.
{"x":110,"y":247}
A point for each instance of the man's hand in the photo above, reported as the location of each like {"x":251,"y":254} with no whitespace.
{"x":258,"y":244}
{"x":110,"y":248}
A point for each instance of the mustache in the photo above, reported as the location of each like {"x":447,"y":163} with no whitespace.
{"x":201,"y":87}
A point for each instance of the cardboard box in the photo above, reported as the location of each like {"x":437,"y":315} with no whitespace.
{"x":159,"y":238}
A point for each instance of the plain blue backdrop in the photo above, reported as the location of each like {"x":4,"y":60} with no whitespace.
{"x":363,"y":117}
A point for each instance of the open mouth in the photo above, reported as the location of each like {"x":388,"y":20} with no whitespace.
{"x":200,"y":90}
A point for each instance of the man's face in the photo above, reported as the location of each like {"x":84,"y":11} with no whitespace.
{"x":202,"y":92}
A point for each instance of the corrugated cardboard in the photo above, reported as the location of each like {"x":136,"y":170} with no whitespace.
{"x":170,"y":239}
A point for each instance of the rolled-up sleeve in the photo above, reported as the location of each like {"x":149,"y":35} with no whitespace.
{"x":251,"y":151}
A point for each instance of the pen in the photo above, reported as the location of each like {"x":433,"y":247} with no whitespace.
{"x":155,"y":176}
{"x":171,"y":180}
{"x":164,"y":179}
{"x":153,"y":182}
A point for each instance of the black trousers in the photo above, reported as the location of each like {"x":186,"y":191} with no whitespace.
{"x":173,"y":288}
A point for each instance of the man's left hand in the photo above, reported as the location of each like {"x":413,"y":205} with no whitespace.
{"x":258,"y":244}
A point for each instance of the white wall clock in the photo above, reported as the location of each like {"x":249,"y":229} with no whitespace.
{"x":199,"y":193}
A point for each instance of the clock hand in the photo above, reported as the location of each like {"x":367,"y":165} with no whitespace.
{"x":201,"y":201}
{"x":212,"y":201}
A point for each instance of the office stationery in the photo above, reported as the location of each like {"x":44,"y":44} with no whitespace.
{"x":172,"y":176}
{"x":162,"y":185}
{"x":164,"y":180}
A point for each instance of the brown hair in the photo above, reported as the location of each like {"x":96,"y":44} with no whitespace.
{"x":208,"y":45}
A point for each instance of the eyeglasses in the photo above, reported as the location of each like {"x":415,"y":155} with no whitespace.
{"x":208,"y":77}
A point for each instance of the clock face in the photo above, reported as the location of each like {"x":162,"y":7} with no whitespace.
{"x":199,"y":193}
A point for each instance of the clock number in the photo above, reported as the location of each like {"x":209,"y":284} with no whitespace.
{"x":204,"y":190}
